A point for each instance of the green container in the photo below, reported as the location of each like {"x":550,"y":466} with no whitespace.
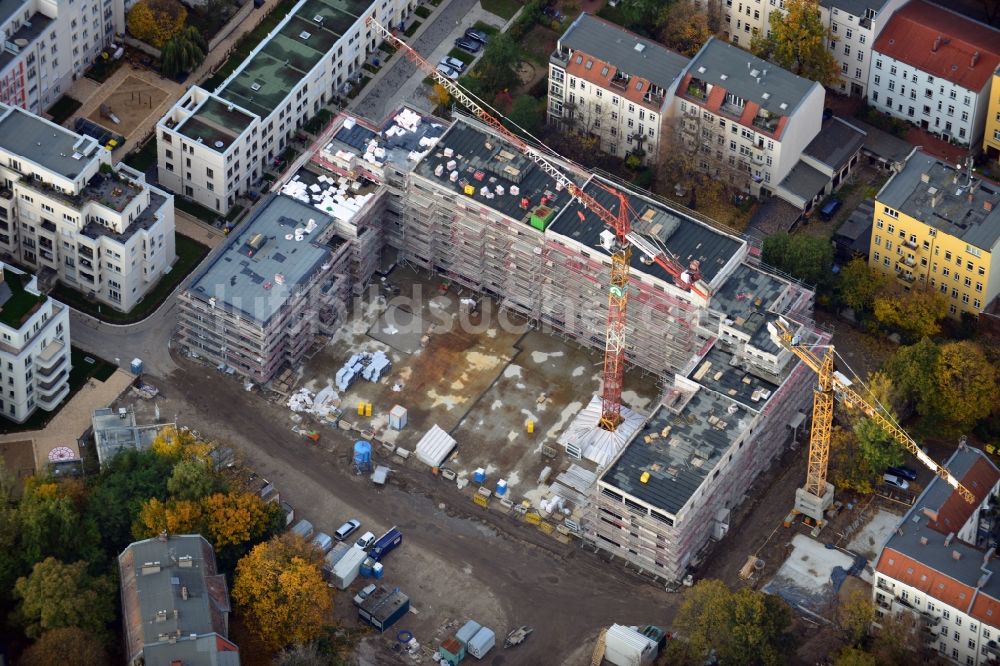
{"x":541,"y":217}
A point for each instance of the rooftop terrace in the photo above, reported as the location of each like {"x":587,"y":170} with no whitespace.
{"x":215,"y":124}
{"x":16,"y":301}
{"x":498,"y":176}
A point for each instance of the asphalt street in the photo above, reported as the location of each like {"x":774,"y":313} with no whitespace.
{"x":382,"y":96}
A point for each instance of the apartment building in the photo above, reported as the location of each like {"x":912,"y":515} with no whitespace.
{"x":34,"y":350}
{"x":938,"y":227}
{"x":938,"y":566}
{"x":70,"y":215}
{"x":175,"y":604}
{"x":991,"y":135}
{"x":213,"y":146}
{"x":48,"y":45}
{"x":742,"y":19}
{"x":854,"y":26}
{"x":934,"y":68}
{"x":749,"y":114}
{"x":280,"y":281}
{"x":612,"y":84}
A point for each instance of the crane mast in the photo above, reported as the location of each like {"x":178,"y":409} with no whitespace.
{"x":817,"y":494}
{"x":620,"y":223}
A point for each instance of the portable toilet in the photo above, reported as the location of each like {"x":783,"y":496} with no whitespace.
{"x":397,"y":417}
{"x":479,"y":476}
{"x":501,"y":488}
{"x":136,"y":366}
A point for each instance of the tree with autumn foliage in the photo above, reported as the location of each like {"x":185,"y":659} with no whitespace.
{"x":279,"y":588}
{"x":799,"y":42}
{"x":684,"y":28}
{"x":156,"y":21}
{"x":70,"y":646}
{"x":440,"y":98}
{"x":236,"y":518}
{"x":916,"y":313}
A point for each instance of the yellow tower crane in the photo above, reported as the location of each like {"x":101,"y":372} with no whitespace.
{"x":816,"y":496}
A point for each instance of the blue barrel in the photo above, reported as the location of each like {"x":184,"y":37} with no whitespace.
{"x":479,"y":476}
{"x":366,"y":568}
{"x":501,"y":488}
{"x":362,"y":453}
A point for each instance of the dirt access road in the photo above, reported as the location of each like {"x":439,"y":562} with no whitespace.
{"x":457,"y":560}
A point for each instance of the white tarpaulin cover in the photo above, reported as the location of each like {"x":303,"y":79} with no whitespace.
{"x":435,"y":446}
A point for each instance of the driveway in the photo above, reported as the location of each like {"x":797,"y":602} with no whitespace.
{"x":401,"y":82}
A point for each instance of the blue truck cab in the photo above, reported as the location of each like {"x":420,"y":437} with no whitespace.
{"x":386,"y":544}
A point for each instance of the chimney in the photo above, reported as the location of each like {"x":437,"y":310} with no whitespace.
{"x":925,"y":177}
{"x":162,"y":536}
{"x":947,"y":539}
{"x":930,"y":513}
{"x":955,"y":555}
{"x":184,"y":592}
{"x":923,"y":541}
{"x":975,"y":59}
{"x":988,"y":206}
{"x":936,"y":196}
{"x":937,"y":43}
{"x":175,"y":613}
{"x":988,"y":555}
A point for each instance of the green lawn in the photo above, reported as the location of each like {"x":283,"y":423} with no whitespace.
{"x":464,"y":56}
{"x":102,"y":70}
{"x":422,"y":12}
{"x":144,"y":158}
{"x":486,"y":27}
{"x":502,"y":8}
{"x":81,"y":371}
{"x":412,"y":29}
{"x":21,"y":302}
{"x":64,"y":107}
{"x":195,"y":209}
{"x":189,"y":254}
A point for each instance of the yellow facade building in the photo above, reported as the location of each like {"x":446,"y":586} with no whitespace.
{"x":938,"y":227}
{"x":991,"y":138}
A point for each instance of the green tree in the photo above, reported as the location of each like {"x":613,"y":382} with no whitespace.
{"x":191,"y":479}
{"x":855,"y":614}
{"x":798,"y":41}
{"x":806,"y":257}
{"x":156,"y":21}
{"x":684,"y":27}
{"x":852,"y":656}
{"x":63,"y":595}
{"x":742,"y":627}
{"x":497,"y":69}
{"x":915,"y":312}
{"x":51,"y":524}
{"x":876,"y":448}
{"x":859,"y":284}
{"x":70,"y":646}
{"x":184,"y":52}
{"x":966,"y":382}
{"x":528,"y":113}
{"x":281,"y":592}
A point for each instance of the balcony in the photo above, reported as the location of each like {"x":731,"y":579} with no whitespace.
{"x":906,"y":261}
{"x":560,"y":57}
{"x":766,"y":123}
{"x":910,"y":244}
{"x":905,"y":278}
{"x":620,"y":82}
{"x":698,"y":90}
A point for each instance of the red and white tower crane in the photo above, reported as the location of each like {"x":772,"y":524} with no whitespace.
{"x":618,"y":239}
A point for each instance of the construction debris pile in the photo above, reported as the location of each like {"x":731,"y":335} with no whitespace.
{"x":331,"y":195}
{"x":372,"y":366}
{"x":321,"y":404}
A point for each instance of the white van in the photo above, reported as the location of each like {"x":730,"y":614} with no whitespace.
{"x":894,"y":480}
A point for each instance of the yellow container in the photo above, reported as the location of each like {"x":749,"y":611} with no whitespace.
{"x":368,"y":409}
{"x":361,"y":409}
{"x":531,"y":427}
{"x":470,"y":189}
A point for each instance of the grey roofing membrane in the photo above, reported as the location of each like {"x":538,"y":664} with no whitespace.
{"x":882,"y":144}
{"x":836,"y":143}
{"x":9,"y":7}
{"x":859,"y":224}
{"x":617,"y":46}
{"x":198,"y":652}
{"x":44,"y":143}
{"x":934,"y":554}
{"x":953,"y":214}
{"x":684,"y":237}
{"x":476,"y":152}
{"x":805,"y":181}
{"x":854,"y":7}
{"x":246,"y":282}
{"x":720,"y":59}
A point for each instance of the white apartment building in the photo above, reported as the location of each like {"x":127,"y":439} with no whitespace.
{"x":614,"y":85}
{"x":48,"y":45}
{"x":66,"y":212}
{"x":854,"y":26}
{"x":748,"y":112}
{"x":213,"y":146}
{"x":937,"y":566}
{"x":34,"y":347}
{"x":933,"y":68}
{"x":742,"y":19}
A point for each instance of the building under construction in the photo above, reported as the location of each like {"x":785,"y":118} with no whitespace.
{"x":460,"y":201}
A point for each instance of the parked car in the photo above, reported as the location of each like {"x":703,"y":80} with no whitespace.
{"x":830,"y":208}
{"x":552,"y":12}
{"x":323,"y":541}
{"x":470,"y":45}
{"x":347,"y":529}
{"x":903,"y":472}
{"x":894,"y":480}
{"x":365,"y":540}
{"x":447,"y":71}
{"x":477,"y":35}
{"x":454,"y":63}
{"x":364,"y":593}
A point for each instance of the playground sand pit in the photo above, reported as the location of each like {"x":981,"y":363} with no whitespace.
{"x":132,"y":102}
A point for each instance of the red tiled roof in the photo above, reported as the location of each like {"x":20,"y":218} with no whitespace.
{"x":593,"y":75}
{"x":912,"y":31}
{"x":714,"y":102}
{"x":905,"y":569}
{"x":955,"y":511}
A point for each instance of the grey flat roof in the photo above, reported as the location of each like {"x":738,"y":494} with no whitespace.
{"x":717,"y":373}
{"x":859,"y":224}
{"x":836,"y":143}
{"x":479,"y":152}
{"x":200,"y":651}
{"x":774,"y":215}
{"x":679,"y":461}
{"x":718,"y":58}
{"x":953,"y":214}
{"x":882,"y":144}
{"x":247,"y":284}
{"x":805,"y":181}
{"x":684,"y":237}
{"x":9,"y":7}
{"x":45,"y":143}
{"x":854,"y":7}
{"x":935,"y":554}
{"x":617,"y":46}
{"x":746,"y":299}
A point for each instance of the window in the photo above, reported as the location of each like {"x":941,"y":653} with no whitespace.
{"x":877,"y":79}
